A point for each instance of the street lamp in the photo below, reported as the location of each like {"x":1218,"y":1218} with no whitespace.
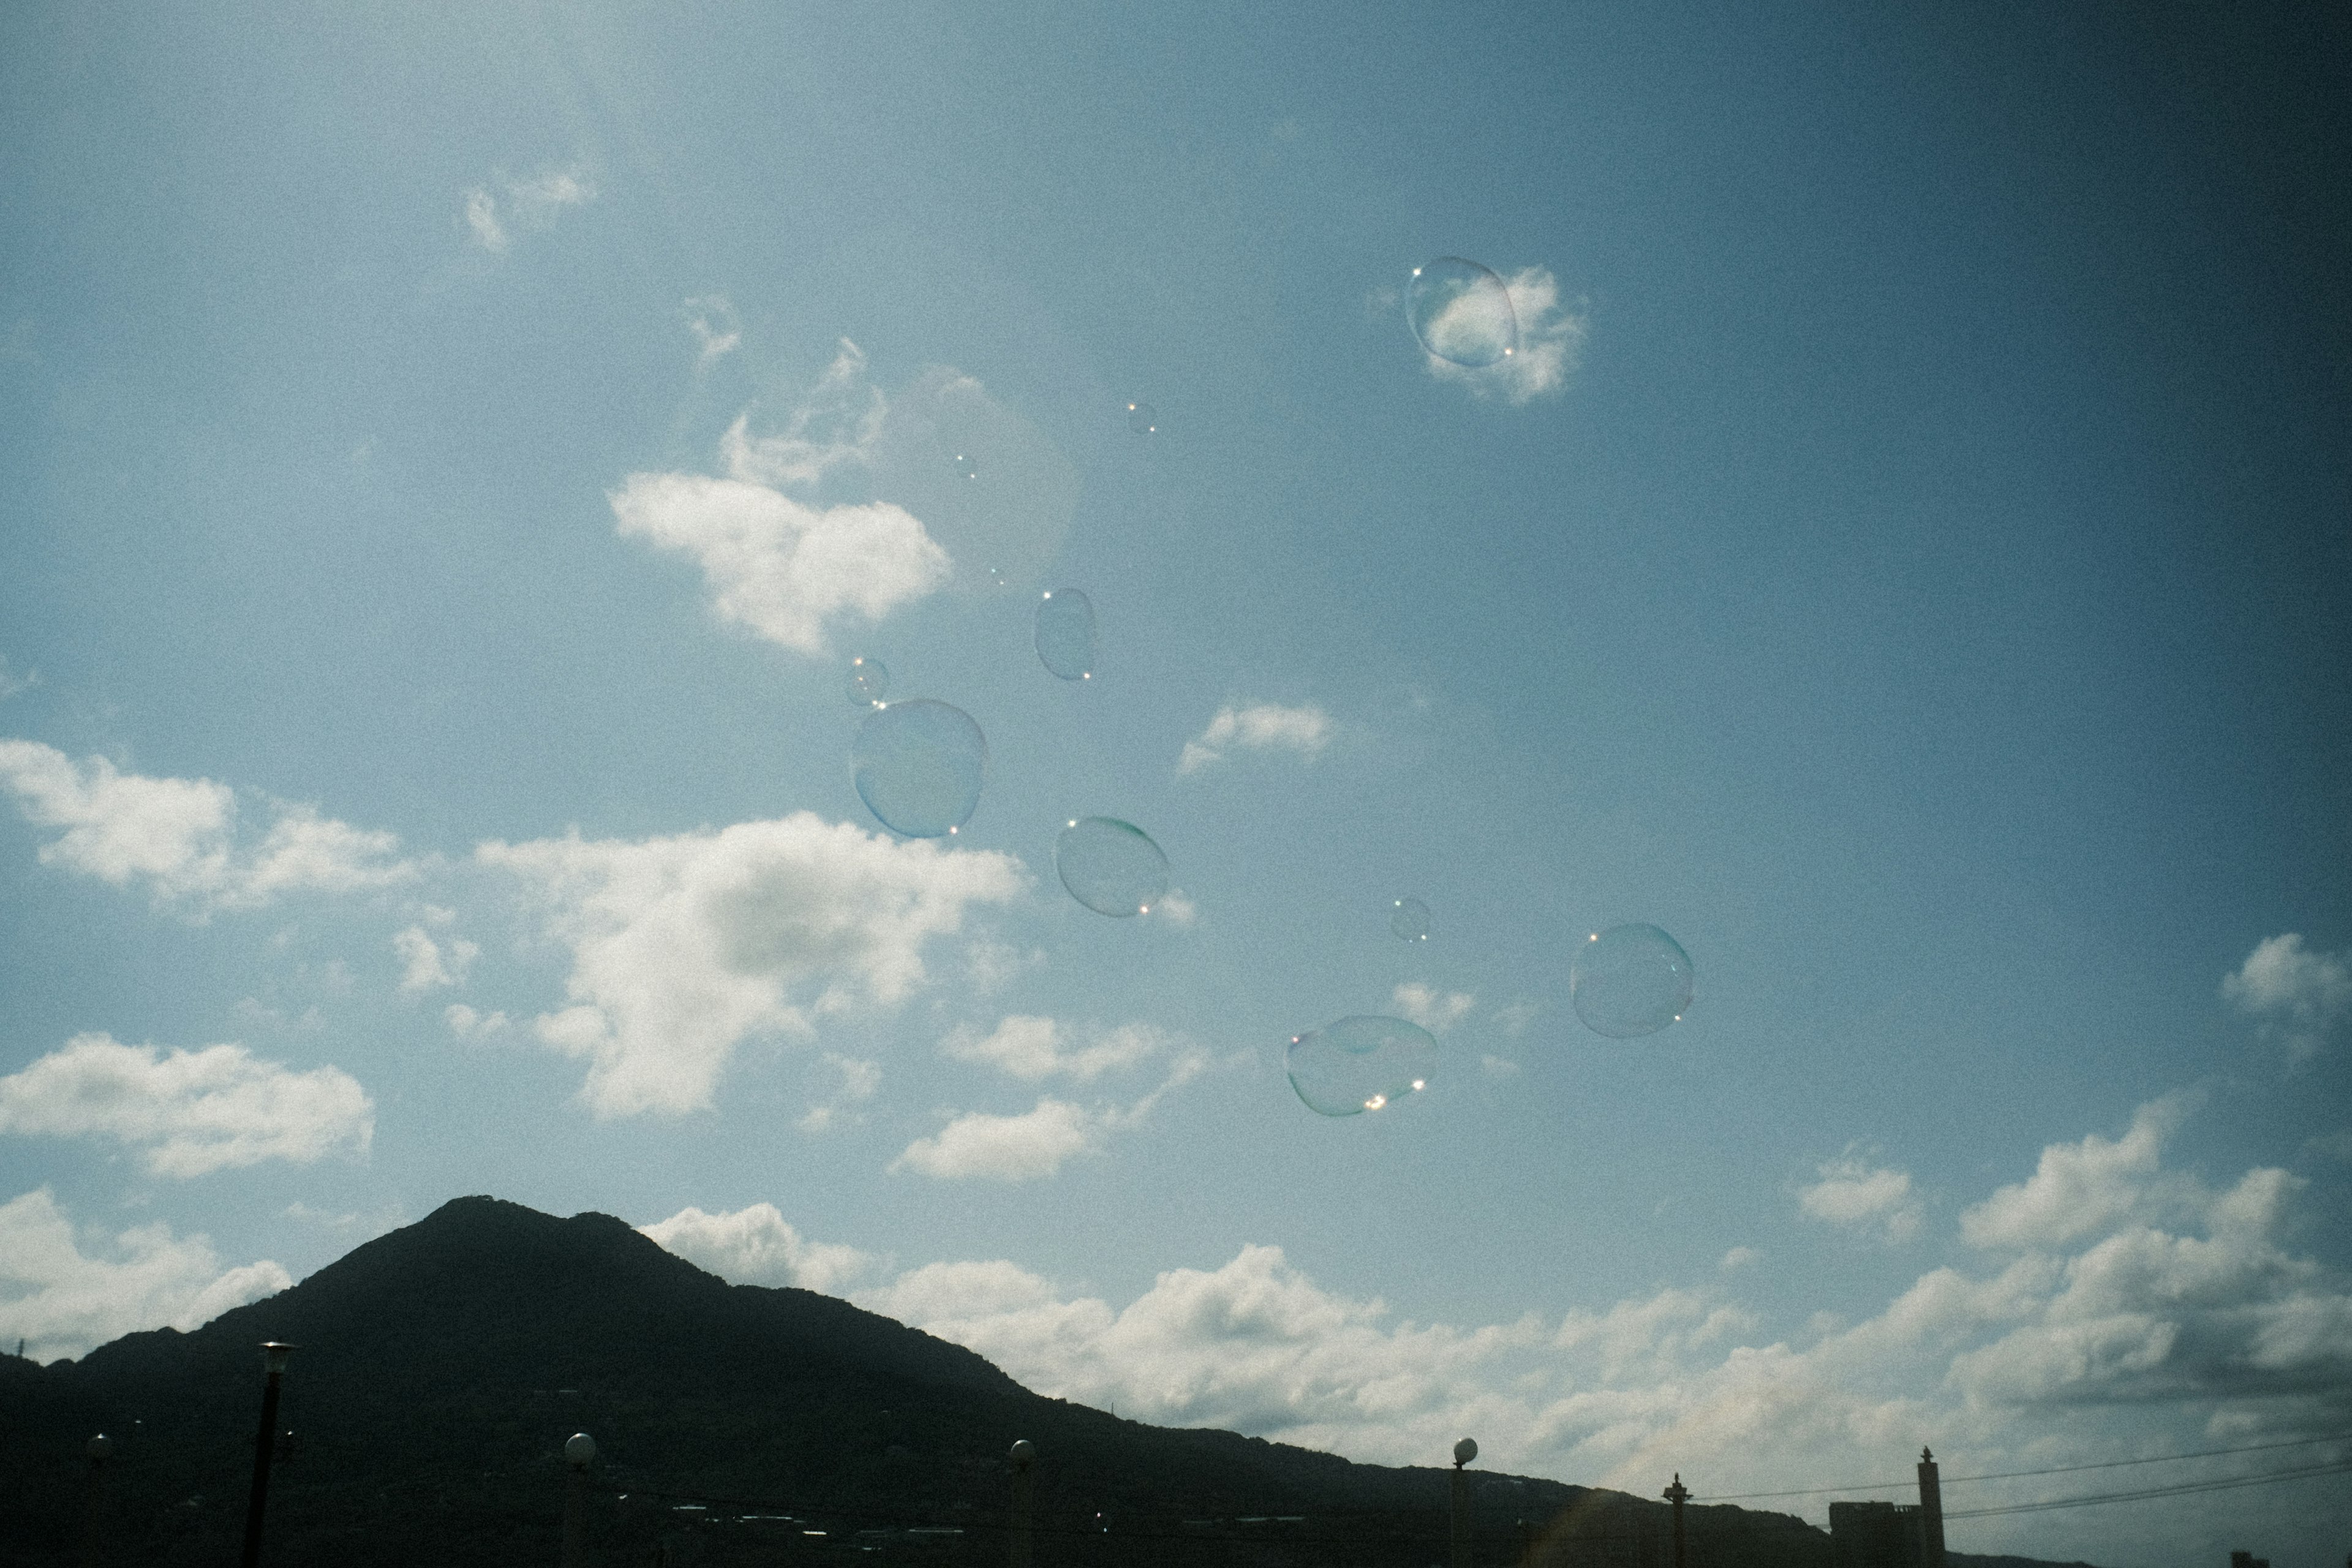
{"x":1024,"y":1454}
{"x":1463,"y":1452}
{"x":274,"y":1357}
{"x":579,"y":1452}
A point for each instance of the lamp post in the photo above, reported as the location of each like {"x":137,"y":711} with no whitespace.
{"x":99,"y":1448}
{"x":274,"y":1357}
{"x":1024,"y":1454}
{"x":579,"y":1452}
{"x":1463,"y":1452}
{"x":1678,"y":1494}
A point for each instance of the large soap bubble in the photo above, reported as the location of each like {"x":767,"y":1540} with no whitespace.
{"x":868,"y":683}
{"x":1065,"y":634}
{"x":1460,"y":311}
{"x":1109,"y":865}
{"x":1410,"y":920}
{"x":991,"y":489}
{"x":918,"y":766}
{"x":1630,"y":980}
{"x":1361,"y":1064}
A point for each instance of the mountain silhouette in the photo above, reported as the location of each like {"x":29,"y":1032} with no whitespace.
{"x":442,"y":1366}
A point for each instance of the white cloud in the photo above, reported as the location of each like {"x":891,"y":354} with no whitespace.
{"x":494,"y":218}
{"x":860,"y":1081}
{"x":982,"y":1146}
{"x":468,"y":1025}
{"x":425,"y":965}
{"x":2298,"y":995}
{"x":1419,"y":1003}
{"x":1257,"y":727}
{"x":1856,"y":1195}
{"x":1551,"y":340}
{"x":979,"y":1145}
{"x":11,"y":683}
{"x":1033,"y":1048}
{"x":754,"y":1246}
{"x":778,"y":567}
{"x":2082,"y":1189}
{"x":190,"y":1112}
{"x":2212,"y":1326}
{"x":717,"y":329}
{"x":1514,"y":1017}
{"x":63,"y":1301}
{"x":180,"y":838}
{"x":1177,"y":909}
{"x":683,"y":947}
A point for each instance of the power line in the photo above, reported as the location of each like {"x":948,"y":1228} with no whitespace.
{"x":2012,"y":1475}
{"x":2268,"y":1477}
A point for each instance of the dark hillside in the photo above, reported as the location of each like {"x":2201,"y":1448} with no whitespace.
{"x":442,"y":1366}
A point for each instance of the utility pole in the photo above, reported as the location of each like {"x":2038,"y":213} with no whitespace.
{"x":579,"y":1452}
{"x":274,"y":1357}
{"x":94,"y":1505}
{"x":1931,"y":1512}
{"x":1463,"y":1452}
{"x":1024,"y":1454}
{"x":1678,"y":1494}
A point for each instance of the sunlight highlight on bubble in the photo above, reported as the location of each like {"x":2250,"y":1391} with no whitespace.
{"x":1112,"y":867}
{"x":1143,"y":418}
{"x":1065,"y":634}
{"x":1361,"y":1064}
{"x":966,"y":466}
{"x":870,"y":683}
{"x":1629,"y":981}
{"x":1460,"y":311}
{"x":918,"y":767}
{"x":1410,"y":920}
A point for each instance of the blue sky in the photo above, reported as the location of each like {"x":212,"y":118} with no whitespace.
{"x":456,"y":457}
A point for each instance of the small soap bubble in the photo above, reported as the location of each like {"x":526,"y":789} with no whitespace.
{"x":1410,"y":920}
{"x":1143,"y":418}
{"x":1361,"y":1064}
{"x":870,"y":683}
{"x":1461,"y":311}
{"x":1065,"y":634}
{"x":1629,"y":981}
{"x":918,"y":767}
{"x":1112,"y":867}
{"x":965,"y":466}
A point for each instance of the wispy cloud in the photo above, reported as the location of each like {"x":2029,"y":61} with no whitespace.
{"x":11,"y":683}
{"x":180,"y":838}
{"x":983,"y":1146}
{"x":1435,"y":1011}
{"x":498,"y":212}
{"x":189,"y":1113}
{"x":2299,"y":995}
{"x":427,"y":964}
{"x":857,"y":1080}
{"x":1034,"y":1048}
{"x":718,"y":330}
{"x":1303,"y":731}
{"x":1855,"y":1196}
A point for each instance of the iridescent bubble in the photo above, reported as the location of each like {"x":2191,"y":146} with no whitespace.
{"x":1065,"y":634}
{"x":1143,"y":418}
{"x":1410,"y":920}
{"x":869,"y":680}
{"x":966,"y":466}
{"x":1460,"y":311}
{"x":1361,"y":1064}
{"x":918,"y":766}
{"x":1109,"y":865}
{"x":1630,"y":980}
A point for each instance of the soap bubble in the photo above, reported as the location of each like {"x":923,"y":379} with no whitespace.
{"x":1630,"y":980}
{"x":1361,"y":1064}
{"x":966,"y":466}
{"x":1065,"y":634}
{"x":919,"y":765}
{"x":1460,"y":311}
{"x":1109,"y":865}
{"x":869,"y":680}
{"x":1143,"y":418}
{"x":1410,"y":920}
{"x":991,"y":489}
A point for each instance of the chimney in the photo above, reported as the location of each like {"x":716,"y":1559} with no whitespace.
{"x":1931,"y":1513}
